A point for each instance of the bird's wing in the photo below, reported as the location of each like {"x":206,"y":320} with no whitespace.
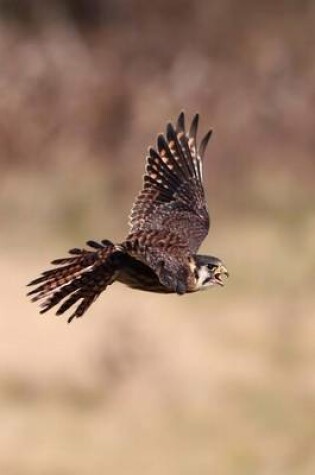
{"x":172,"y":198}
{"x":167,"y":254}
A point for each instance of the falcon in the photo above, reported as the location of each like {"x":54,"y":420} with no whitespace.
{"x":168,"y":222}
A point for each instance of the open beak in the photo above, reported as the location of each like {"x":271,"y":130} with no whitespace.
{"x":220,"y":275}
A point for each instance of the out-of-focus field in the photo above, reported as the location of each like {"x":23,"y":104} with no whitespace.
{"x":220,"y":382}
{"x":217,"y":382}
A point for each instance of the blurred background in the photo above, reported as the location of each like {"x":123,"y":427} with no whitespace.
{"x":220,"y":382}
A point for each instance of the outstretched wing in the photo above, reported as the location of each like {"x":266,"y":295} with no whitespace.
{"x":173,"y":198}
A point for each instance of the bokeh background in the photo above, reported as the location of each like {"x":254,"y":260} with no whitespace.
{"x":220,"y":382}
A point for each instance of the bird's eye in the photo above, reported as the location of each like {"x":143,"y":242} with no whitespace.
{"x":211,"y":267}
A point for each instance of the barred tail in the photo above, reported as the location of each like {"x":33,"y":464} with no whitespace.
{"x":81,"y":277}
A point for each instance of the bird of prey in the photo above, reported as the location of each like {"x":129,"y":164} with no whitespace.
{"x":168,"y":222}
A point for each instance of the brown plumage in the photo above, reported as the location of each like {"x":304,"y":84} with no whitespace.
{"x":168,"y":222}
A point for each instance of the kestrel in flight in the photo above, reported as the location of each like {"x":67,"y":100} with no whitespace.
{"x":168,"y":222}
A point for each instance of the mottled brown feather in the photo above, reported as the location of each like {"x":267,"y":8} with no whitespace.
{"x":173,"y":196}
{"x":82,"y":276}
{"x":169,"y":220}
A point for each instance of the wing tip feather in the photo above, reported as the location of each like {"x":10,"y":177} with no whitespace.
{"x":194,"y":127}
{"x":180,"y":124}
{"x":204,"y":143}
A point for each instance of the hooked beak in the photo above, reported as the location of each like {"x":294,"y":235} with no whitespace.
{"x":220,"y":274}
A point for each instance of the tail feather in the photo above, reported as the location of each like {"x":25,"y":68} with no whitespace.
{"x":81,"y":276}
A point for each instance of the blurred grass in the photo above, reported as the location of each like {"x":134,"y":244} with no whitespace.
{"x":219,"y":382}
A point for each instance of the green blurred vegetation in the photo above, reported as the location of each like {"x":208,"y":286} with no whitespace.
{"x":219,"y":382}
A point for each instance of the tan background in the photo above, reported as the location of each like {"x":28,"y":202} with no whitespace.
{"x":220,"y":382}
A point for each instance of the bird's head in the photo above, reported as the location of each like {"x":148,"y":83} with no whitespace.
{"x":209,"y":270}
